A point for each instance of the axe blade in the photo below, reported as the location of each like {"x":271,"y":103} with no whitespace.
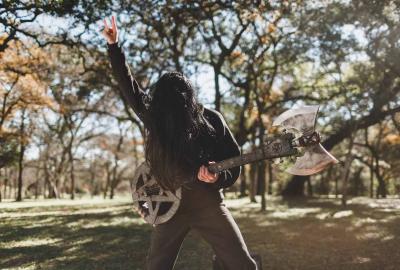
{"x":301,"y":119}
{"x":314,"y":160}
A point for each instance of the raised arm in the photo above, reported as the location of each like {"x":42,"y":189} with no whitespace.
{"x":128,"y":86}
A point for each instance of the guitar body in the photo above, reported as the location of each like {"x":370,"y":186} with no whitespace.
{"x":157,"y":204}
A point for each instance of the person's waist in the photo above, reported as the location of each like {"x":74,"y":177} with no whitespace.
{"x":198,"y":196}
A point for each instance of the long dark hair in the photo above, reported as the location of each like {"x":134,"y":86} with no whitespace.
{"x":176,"y":125}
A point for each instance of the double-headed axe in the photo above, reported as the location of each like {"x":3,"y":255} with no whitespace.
{"x":301,"y":121}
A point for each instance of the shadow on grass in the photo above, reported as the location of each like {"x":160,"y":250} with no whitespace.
{"x":308,"y":234}
{"x":115,"y":239}
{"x":320,"y":234}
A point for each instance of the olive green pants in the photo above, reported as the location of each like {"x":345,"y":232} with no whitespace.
{"x":213,"y":222}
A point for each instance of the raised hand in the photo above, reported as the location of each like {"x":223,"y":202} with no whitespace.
{"x":110,"y":34}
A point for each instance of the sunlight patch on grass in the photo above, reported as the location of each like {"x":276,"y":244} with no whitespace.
{"x":389,"y":210}
{"x":41,"y":222}
{"x":25,"y":267}
{"x":295,"y":212}
{"x":95,"y":201}
{"x":359,"y":259}
{"x":117,"y":221}
{"x":372,"y":232}
{"x":330,"y":225}
{"x":32,"y":242}
{"x":362,"y":221}
{"x":369,"y":236}
{"x":266,"y":223}
{"x":77,"y":244}
{"x":240,"y":203}
{"x":342,"y":214}
{"x":388,"y":238}
{"x":387,"y":205}
{"x":112,"y":221}
{"x":323,"y":216}
{"x":66,"y":212}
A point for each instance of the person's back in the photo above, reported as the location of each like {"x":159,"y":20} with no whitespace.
{"x":182,"y":138}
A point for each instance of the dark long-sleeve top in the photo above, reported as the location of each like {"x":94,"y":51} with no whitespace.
{"x":224,"y":146}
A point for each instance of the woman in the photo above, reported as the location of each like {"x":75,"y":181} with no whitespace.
{"x":182,"y":138}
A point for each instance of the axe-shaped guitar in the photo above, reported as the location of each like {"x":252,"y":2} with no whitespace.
{"x":159,"y":205}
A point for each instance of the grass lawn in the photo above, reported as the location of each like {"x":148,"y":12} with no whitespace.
{"x":104,"y":234}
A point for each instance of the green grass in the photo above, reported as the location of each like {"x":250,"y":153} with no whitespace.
{"x":98,"y":234}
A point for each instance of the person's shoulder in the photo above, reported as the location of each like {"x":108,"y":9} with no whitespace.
{"x":216,"y":119}
{"x":213,"y":114}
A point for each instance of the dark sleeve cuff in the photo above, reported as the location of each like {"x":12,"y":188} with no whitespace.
{"x":113,"y":47}
{"x":222,"y":179}
{"x":227,"y":178}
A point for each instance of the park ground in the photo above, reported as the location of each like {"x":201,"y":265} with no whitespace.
{"x":103,"y":234}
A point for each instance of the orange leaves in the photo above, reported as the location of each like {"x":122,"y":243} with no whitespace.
{"x":253,"y":16}
{"x":136,"y":141}
{"x":271,"y":28}
{"x":250,"y":15}
{"x":235,"y":54}
{"x":393,"y":139}
{"x":33,"y":91}
{"x":265,"y":39}
{"x":22,"y":59}
{"x":23,"y":82}
{"x":237,"y":58}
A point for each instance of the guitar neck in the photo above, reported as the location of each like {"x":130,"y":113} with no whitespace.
{"x":274,"y":148}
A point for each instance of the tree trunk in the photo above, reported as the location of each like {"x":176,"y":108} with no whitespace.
{"x":253,"y":182}
{"x":358,"y":184}
{"x":0,"y":185}
{"x":72,"y":173}
{"x":381,"y":191}
{"x":346,"y":170}
{"x":243,"y":185}
{"x":21,"y":157}
{"x":324,"y":184}
{"x":15,"y":189}
{"x":261,"y":181}
{"x":93,"y":185}
{"x":20,"y":173}
{"x":5,"y":187}
{"x":270,"y":178}
{"x":217,"y":102}
{"x":114,"y":181}
{"x":295,"y":187}
{"x":54,"y":184}
{"x":371,"y":181}
{"x":336,"y":187}
{"x":37,"y":184}
{"x":309,"y":188}
{"x":46,"y":186}
{"x":108,"y":180}
{"x":345,"y":177}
